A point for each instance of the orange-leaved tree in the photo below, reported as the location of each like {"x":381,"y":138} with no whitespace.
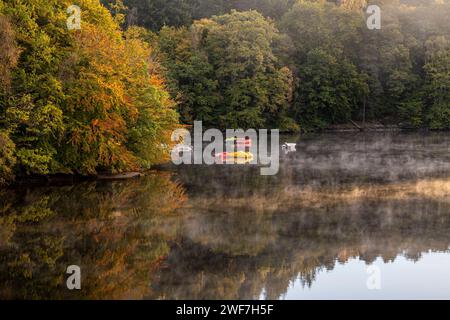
{"x":83,"y":100}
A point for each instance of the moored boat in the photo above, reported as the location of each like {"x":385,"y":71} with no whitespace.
{"x":239,"y":157}
{"x":240,"y":141}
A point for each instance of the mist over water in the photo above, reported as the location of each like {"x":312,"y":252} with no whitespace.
{"x":386,"y":157}
{"x":340,"y":203}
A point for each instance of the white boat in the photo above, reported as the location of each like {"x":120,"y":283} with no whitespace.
{"x":182,"y":148}
{"x":289,"y":147}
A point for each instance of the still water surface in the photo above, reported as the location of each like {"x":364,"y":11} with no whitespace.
{"x":340,"y":204}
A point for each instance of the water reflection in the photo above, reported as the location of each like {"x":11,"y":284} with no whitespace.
{"x":225,"y":232}
{"x":116,"y":232}
{"x":251,"y":246}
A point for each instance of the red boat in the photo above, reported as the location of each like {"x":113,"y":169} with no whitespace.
{"x":241,"y":141}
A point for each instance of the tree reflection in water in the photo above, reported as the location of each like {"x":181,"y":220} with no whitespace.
{"x":117,"y":232}
{"x":226,"y":232}
{"x":338,"y":197}
{"x":249,"y":246}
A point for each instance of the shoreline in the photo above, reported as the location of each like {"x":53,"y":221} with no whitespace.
{"x":67,"y":179}
{"x":56,"y":179}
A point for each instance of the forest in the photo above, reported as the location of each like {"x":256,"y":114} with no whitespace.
{"x":106,"y":97}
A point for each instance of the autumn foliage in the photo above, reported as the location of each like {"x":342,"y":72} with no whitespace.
{"x":79,"y":101}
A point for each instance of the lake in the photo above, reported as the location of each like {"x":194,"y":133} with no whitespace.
{"x":349,"y":216}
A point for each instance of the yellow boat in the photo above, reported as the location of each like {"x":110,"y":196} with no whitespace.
{"x":239,"y":157}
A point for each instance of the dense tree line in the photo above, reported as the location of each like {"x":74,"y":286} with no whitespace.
{"x":341,"y":70}
{"x":154,"y":14}
{"x":335,"y":67}
{"x":227,"y":73}
{"x":77,"y":101}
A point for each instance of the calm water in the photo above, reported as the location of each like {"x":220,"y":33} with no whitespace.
{"x":340,"y":204}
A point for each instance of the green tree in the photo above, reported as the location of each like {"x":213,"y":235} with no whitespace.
{"x":82,"y":100}
{"x":330,"y":87}
{"x":437,"y":82}
{"x":330,"y":90}
{"x":227,"y":73}
{"x":9,"y":53}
